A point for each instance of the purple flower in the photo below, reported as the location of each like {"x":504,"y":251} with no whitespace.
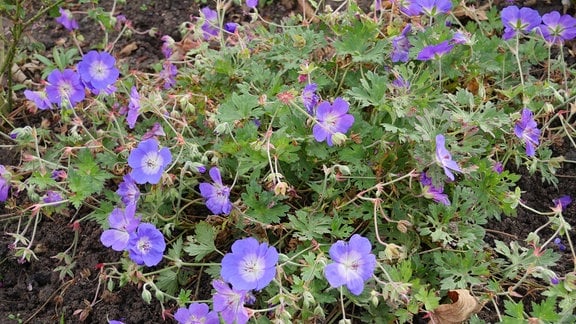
{"x":167,"y":44}
{"x":433,"y":192}
{"x":196,"y":313}
{"x":123,"y":222}
{"x":431,"y":52}
{"x":229,"y":302}
{"x":527,"y":130}
{"x":52,"y":197}
{"x":217,"y":195}
{"x":40,"y":99}
{"x":377,"y":5}
{"x":432,"y":8}
{"x":67,"y":20}
{"x":59,"y":175}
{"x":115,"y":322}
{"x":201,"y":169}
{"x":557,"y":29}
{"x":460,"y":38}
{"x":558,"y":243}
{"x":400,"y":83}
{"x":98,"y":70}
{"x":408,"y":7}
{"x":332,"y":119}
{"x":517,"y":20}
{"x":230,"y":27}
{"x":168,"y":74}
{"x":133,"y":108}
{"x":562,"y":202}
{"x":210,"y":21}
{"x":309,"y":97}
{"x":252,"y":3}
{"x":498,"y":167}
{"x":554,"y":280}
{"x":148,"y":161}
{"x":156,"y":130}
{"x":353,"y":264}
{"x":128,"y":191}
{"x":146,"y":245}
{"x":4,"y":183}
{"x":444,"y":158}
{"x":64,"y":88}
{"x":251,"y":265}
{"x":401,"y":45}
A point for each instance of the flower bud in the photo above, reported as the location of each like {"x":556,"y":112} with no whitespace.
{"x":339,"y":138}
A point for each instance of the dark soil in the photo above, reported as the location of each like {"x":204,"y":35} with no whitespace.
{"x":36,"y":294}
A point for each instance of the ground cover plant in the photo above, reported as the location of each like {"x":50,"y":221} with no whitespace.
{"x":335,"y":166}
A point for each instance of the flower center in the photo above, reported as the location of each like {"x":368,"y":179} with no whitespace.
{"x":98,"y":70}
{"x":352,"y":261}
{"x":65,"y":89}
{"x":252,"y":267}
{"x":144,"y":245}
{"x":152,"y":162}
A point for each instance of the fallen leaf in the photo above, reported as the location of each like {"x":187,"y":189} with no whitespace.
{"x":128,"y":49}
{"x":463,"y":306}
{"x":471,"y":12}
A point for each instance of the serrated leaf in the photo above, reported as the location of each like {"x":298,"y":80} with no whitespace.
{"x":308,"y":226}
{"x":202,"y":243}
{"x":167,"y":281}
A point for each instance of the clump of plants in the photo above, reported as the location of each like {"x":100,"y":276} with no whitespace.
{"x":337,"y":167}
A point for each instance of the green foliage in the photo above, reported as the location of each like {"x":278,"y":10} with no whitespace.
{"x":237,"y":105}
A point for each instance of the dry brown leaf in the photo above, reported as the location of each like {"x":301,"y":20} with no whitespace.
{"x":471,"y":12}
{"x":128,"y":49}
{"x":463,"y":306}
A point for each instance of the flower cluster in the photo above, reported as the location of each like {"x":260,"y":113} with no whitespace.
{"x":96,"y":72}
{"x":143,"y":241}
{"x":353,"y":264}
{"x":250,"y":266}
{"x":553,"y":27}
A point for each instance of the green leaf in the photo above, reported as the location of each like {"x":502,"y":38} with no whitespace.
{"x":167,"y":281}
{"x":546,"y":311}
{"x":309,"y":226}
{"x":429,"y":298}
{"x":85,"y":178}
{"x":239,"y":107}
{"x":202,"y":243}
{"x":263,"y":205}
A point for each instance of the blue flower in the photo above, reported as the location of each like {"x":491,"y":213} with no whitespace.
{"x":444,"y":158}
{"x":332,"y":119}
{"x":98,"y":70}
{"x":65,"y":88}
{"x":353,"y":264}
{"x":217,"y":195}
{"x":122,"y":224}
{"x":67,"y":20}
{"x":229,"y":302}
{"x":251,"y":265}
{"x":146,"y":245}
{"x":196,"y":313}
{"x":148,"y":161}
{"x":517,"y":20}
{"x":527,"y":130}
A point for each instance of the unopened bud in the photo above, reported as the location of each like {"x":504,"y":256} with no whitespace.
{"x":339,"y":138}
